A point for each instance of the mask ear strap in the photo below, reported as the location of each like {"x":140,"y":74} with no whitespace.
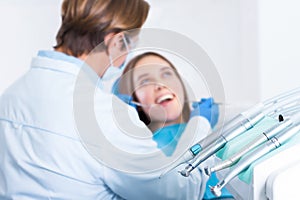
{"x":125,"y":43}
{"x":126,"y":46}
{"x":110,"y":60}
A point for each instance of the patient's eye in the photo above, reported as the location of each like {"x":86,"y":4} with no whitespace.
{"x":144,"y":81}
{"x":167,"y":74}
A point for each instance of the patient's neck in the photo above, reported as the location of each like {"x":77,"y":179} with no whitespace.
{"x":155,"y":125}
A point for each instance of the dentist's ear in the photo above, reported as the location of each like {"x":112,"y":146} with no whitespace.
{"x":114,"y":48}
{"x":113,"y":40}
{"x":107,"y":40}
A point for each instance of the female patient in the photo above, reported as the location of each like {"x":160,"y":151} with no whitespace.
{"x":162,"y":103}
{"x":155,"y":84}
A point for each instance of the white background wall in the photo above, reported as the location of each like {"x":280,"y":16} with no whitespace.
{"x":227,"y":31}
{"x":254,"y":44}
{"x":26,"y":27}
{"x":279,"y":46}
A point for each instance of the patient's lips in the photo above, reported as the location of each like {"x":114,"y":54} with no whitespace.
{"x":164,"y":99}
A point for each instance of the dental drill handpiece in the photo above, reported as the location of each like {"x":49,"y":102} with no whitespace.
{"x":253,"y":118}
{"x":254,"y":115}
{"x":265,"y":136}
{"x":241,"y":120}
{"x":236,"y":121}
{"x":262,"y":150}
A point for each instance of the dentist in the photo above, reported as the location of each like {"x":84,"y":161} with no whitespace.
{"x":43,"y":154}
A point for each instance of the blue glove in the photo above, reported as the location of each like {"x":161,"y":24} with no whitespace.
{"x":208,"y":109}
{"x":126,"y":98}
{"x":115,"y":87}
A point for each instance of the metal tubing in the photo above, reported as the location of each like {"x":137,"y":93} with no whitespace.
{"x":220,"y":142}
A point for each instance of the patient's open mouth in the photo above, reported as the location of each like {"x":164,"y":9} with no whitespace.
{"x":164,"y":99}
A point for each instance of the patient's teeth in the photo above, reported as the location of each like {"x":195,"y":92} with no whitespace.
{"x":164,"y":97}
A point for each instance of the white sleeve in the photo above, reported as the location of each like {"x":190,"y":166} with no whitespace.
{"x":149,"y":186}
{"x":132,"y":161}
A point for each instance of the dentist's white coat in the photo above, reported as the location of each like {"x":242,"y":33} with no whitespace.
{"x":42,"y":156}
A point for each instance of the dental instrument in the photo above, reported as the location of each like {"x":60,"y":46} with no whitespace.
{"x":235,"y":127}
{"x":257,"y":113}
{"x":262,"y":150}
{"x":265,"y":136}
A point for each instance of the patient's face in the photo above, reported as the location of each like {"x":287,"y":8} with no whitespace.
{"x":157,"y":84}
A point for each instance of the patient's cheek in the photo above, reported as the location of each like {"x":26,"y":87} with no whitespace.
{"x":144,"y":96}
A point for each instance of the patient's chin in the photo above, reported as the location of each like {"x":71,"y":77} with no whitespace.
{"x":157,"y":113}
{"x":159,"y":116}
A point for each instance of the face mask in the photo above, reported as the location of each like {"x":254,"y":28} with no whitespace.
{"x":113,"y":72}
{"x":109,"y":78}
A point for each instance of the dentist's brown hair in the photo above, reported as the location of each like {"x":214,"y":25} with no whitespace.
{"x":85,"y":23}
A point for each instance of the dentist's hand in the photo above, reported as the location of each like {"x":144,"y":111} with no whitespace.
{"x":126,"y":99}
{"x":208,"y":109}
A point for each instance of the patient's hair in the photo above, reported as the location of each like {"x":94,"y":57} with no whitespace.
{"x":85,"y":23}
{"x":126,"y":85}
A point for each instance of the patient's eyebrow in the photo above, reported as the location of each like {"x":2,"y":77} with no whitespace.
{"x":142,"y":76}
{"x":166,"y":68}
